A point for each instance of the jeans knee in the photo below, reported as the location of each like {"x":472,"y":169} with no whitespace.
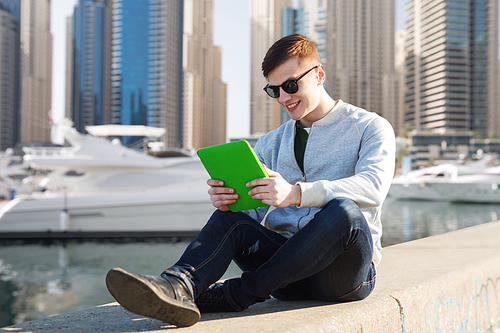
{"x":347,"y":206}
{"x":344,"y":211}
{"x":223,"y":222}
{"x":226,"y":217}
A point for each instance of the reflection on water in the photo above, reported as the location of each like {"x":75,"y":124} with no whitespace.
{"x":41,"y":279}
{"x":38,"y":279}
{"x":404,"y":221}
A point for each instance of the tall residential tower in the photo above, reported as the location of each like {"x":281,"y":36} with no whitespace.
{"x":360,"y":55}
{"x":35,"y":70}
{"x":265,"y":15}
{"x":204,"y":104}
{"x":9,"y":60}
{"x":452,"y":66}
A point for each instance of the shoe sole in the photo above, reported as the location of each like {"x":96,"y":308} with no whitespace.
{"x":138,"y":296}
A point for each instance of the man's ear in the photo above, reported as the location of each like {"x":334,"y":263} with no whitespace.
{"x":321,"y":76}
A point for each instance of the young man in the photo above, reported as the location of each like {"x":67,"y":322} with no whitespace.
{"x":330,"y":169}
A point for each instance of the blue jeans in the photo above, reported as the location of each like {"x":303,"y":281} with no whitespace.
{"x":329,"y":259}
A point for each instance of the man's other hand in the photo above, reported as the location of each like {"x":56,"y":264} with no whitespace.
{"x":275,"y":190}
{"x":221,"y":196}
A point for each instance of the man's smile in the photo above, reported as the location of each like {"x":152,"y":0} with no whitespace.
{"x":292,"y":106}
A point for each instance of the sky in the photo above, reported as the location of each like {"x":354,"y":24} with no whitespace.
{"x":231,"y":33}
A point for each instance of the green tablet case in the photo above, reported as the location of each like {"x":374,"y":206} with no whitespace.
{"x":236,"y":164}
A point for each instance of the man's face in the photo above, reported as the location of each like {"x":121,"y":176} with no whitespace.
{"x":302,"y":104}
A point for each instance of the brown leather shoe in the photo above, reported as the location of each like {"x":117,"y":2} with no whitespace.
{"x":164,"y":298}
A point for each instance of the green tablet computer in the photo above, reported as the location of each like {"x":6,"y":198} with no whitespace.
{"x":236,"y":164}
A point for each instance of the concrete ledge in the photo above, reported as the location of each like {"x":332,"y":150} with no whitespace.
{"x":444,"y":283}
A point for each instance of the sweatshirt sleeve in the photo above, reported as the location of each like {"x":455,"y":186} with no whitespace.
{"x":372,"y":177}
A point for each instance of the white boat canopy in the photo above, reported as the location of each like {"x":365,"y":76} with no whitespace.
{"x":125,"y":130}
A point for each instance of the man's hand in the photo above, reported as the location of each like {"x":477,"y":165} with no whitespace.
{"x":220,"y":196}
{"x":275,"y":190}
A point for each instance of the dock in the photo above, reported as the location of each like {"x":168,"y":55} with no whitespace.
{"x":444,"y":283}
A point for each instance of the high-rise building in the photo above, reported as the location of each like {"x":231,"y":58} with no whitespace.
{"x":146,"y":74}
{"x":399,"y":63}
{"x":308,"y":19}
{"x":9,"y":45}
{"x":265,"y":15}
{"x":204,"y":105}
{"x":452,"y":66}
{"x":26,"y":71}
{"x":360,"y":54}
{"x":314,"y":25}
{"x":27,"y":79}
{"x":88,"y":70}
{"x":292,"y":21}
{"x":35,"y":70}
{"x":13,"y":7}
{"x":70,"y":51}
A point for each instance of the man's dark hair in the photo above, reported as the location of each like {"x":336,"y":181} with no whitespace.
{"x":292,"y":46}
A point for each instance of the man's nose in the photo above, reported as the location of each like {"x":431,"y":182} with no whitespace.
{"x":283,"y":96}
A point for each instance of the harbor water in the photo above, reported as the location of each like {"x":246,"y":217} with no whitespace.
{"x":43,"y":278}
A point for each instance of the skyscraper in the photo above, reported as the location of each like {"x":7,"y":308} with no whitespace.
{"x":9,"y":57}
{"x":360,"y":54}
{"x":13,"y":7}
{"x":35,"y":70}
{"x":400,"y":56}
{"x":292,"y":21}
{"x":452,"y":66}
{"x":314,"y":25}
{"x":308,"y":19}
{"x":88,"y":76}
{"x":69,"y":84}
{"x":265,"y":15}
{"x":146,"y":73}
{"x":204,"y":106}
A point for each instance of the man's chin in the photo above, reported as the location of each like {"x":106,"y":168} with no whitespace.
{"x":294,"y":116}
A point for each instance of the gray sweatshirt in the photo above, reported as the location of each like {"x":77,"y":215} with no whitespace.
{"x":350,"y":153}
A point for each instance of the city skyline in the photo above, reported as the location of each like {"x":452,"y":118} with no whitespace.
{"x":231,"y":33}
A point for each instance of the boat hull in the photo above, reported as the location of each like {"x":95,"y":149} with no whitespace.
{"x":105,"y":215}
{"x":469,"y":192}
{"x":414,"y":191}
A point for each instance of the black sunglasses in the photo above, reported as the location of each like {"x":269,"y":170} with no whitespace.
{"x":289,"y":86}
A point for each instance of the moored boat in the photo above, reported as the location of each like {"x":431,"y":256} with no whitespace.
{"x":100,"y":188}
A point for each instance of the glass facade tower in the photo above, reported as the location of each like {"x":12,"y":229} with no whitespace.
{"x":478,"y":66}
{"x":292,"y":21}
{"x":91,"y":63}
{"x":146,"y":73}
{"x":130,"y":61}
{"x":13,"y":7}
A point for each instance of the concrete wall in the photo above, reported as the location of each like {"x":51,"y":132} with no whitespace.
{"x":444,"y":283}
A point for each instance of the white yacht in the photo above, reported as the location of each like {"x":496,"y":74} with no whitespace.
{"x":98,"y":188}
{"x":416,"y":184}
{"x":413,"y":186}
{"x":477,"y":188}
